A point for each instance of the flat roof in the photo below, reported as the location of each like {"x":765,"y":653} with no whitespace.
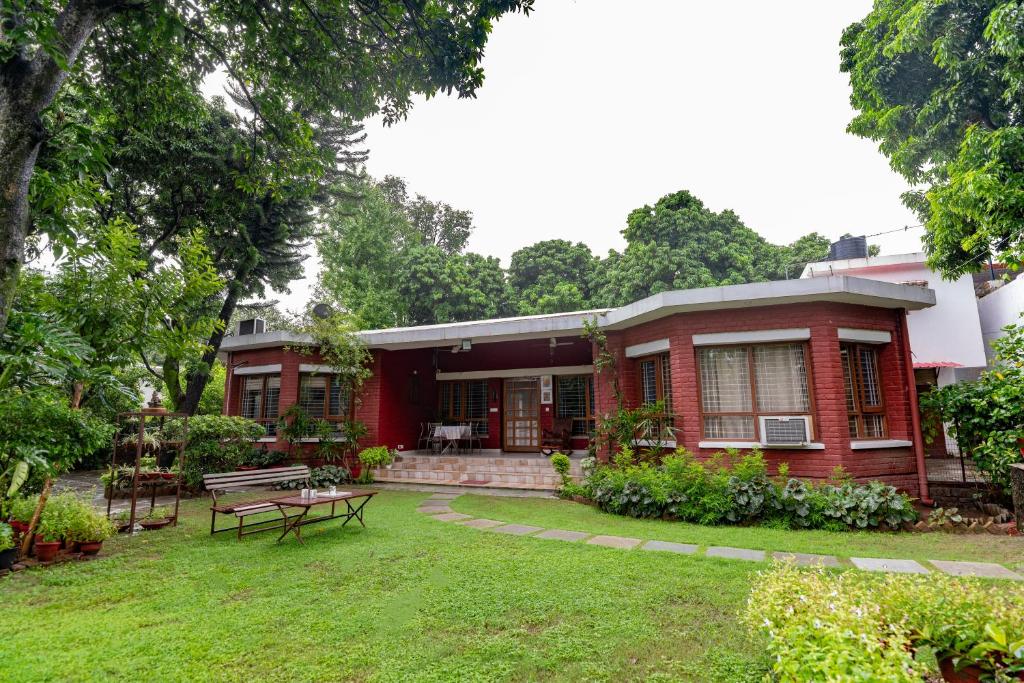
{"x":867,"y":263}
{"x":834,"y":288}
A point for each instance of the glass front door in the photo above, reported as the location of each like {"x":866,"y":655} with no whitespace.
{"x":522,"y":414}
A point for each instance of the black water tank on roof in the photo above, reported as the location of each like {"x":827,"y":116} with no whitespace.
{"x":848,"y":247}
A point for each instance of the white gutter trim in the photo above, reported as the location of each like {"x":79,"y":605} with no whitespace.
{"x":758,"y":444}
{"x":752,"y":337}
{"x":850,"y":334}
{"x":647,"y":348}
{"x":258,"y":369}
{"x":879,"y":443}
{"x":312,"y":367}
{"x":518,"y":372}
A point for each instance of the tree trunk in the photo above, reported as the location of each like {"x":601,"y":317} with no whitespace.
{"x":198,"y":379}
{"x":29,"y":82}
{"x":26,"y":543}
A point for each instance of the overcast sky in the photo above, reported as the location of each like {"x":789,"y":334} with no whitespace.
{"x":591,"y":108}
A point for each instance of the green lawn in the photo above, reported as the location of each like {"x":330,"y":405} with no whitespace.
{"x":560,"y":514}
{"x":408,"y":598}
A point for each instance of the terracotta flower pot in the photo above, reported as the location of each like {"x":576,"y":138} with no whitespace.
{"x":46,"y":551}
{"x":90,"y":547}
{"x":19,"y":527}
{"x":247,"y":468}
{"x":151,"y":524}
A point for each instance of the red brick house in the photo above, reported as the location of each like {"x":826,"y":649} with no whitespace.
{"x":816,"y":372}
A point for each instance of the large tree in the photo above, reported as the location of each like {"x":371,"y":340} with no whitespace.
{"x":679,"y":243}
{"x":292,"y":61}
{"x":536,"y":271}
{"x":392,"y":260}
{"x":940,"y":87}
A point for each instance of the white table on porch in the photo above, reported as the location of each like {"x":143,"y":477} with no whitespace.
{"x":450,"y":435}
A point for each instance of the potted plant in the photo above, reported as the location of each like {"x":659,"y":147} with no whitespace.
{"x":89,"y":529}
{"x":371,"y":458}
{"x":21,"y":513}
{"x":49,"y":533}
{"x":157,"y":518}
{"x":352,"y":431}
{"x":8,"y":553}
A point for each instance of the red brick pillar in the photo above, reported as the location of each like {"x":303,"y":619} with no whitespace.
{"x":685,"y":396}
{"x":368,"y":403}
{"x":604,"y":391}
{"x":832,"y":427}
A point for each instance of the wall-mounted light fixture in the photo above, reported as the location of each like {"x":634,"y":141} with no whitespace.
{"x":467,"y":344}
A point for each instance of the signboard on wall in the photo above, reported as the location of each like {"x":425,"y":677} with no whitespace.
{"x":546,"y":393}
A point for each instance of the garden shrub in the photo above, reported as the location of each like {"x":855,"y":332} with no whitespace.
{"x":561,"y":464}
{"x":329,"y":475}
{"x":376,"y":456}
{"x":728,"y":488}
{"x":216,"y":443}
{"x":847,"y":626}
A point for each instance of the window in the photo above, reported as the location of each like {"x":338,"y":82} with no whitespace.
{"x":325,"y":397}
{"x":464,"y":402}
{"x":574,"y":397}
{"x":260,"y":395}
{"x":739,"y":383}
{"x":865,"y":406}
{"x":655,"y":377}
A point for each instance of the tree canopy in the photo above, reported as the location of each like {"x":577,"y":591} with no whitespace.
{"x":294,"y":64}
{"x":940,"y":87}
{"x":382,"y":265}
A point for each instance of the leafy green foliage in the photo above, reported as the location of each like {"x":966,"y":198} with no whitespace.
{"x":551,"y":276}
{"x":216,"y":443}
{"x":6,"y":536}
{"x":561,"y":464}
{"x":938,"y":85}
{"x":986,"y":416}
{"x":728,"y":488}
{"x":375,"y":456}
{"x":679,"y":243}
{"x":856,"y":626}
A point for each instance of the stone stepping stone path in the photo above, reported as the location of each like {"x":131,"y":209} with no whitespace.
{"x":562,"y":535}
{"x":437,"y":507}
{"x":681,"y":548}
{"x":735,"y":553}
{"x":875,"y":564}
{"x":614,"y":541}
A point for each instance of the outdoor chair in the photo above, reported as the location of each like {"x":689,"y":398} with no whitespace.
{"x":423,"y":442}
{"x":436,"y":442}
{"x":558,"y":439}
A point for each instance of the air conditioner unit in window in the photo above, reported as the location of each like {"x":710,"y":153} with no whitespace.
{"x":785,"y":430}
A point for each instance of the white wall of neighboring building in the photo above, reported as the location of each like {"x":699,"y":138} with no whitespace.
{"x":1000,"y":308}
{"x":948,"y":332}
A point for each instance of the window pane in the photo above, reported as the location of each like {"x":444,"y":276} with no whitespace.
{"x":781,"y":379}
{"x":476,"y":406}
{"x":871,"y":393}
{"x":252,"y":395}
{"x":728,"y":427}
{"x":446,"y":397}
{"x":648,"y":382}
{"x":571,"y":401}
{"x":874,"y":426}
{"x":340,"y":397}
{"x":313,"y":395}
{"x":851,"y":404}
{"x":666,"y":383}
{"x":456,"y":388}
{"x":725,"y":381}
{"x":273,"y":395}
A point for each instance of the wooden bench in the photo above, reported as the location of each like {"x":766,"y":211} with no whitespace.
{"x":226,"y":482}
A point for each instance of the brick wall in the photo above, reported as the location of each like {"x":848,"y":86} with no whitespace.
{"x":402,"y":391}
{"x":897,"y":466}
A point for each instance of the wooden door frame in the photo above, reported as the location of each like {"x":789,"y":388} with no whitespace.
{"x":504,"y":415}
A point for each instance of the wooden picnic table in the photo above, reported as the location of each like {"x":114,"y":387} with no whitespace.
{"x":295,"y":523}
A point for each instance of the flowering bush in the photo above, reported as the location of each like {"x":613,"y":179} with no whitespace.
{"x":729,"y":488}
{"x":853,"y":626}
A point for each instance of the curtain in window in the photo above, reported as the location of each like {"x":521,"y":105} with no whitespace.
{"x":725,"y":380}
{"x":648,"y":382}
{"x":252,"y":397}
{"x":781,"y":379}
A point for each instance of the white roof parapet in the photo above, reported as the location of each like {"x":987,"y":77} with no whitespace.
{"x":836,"y":288}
